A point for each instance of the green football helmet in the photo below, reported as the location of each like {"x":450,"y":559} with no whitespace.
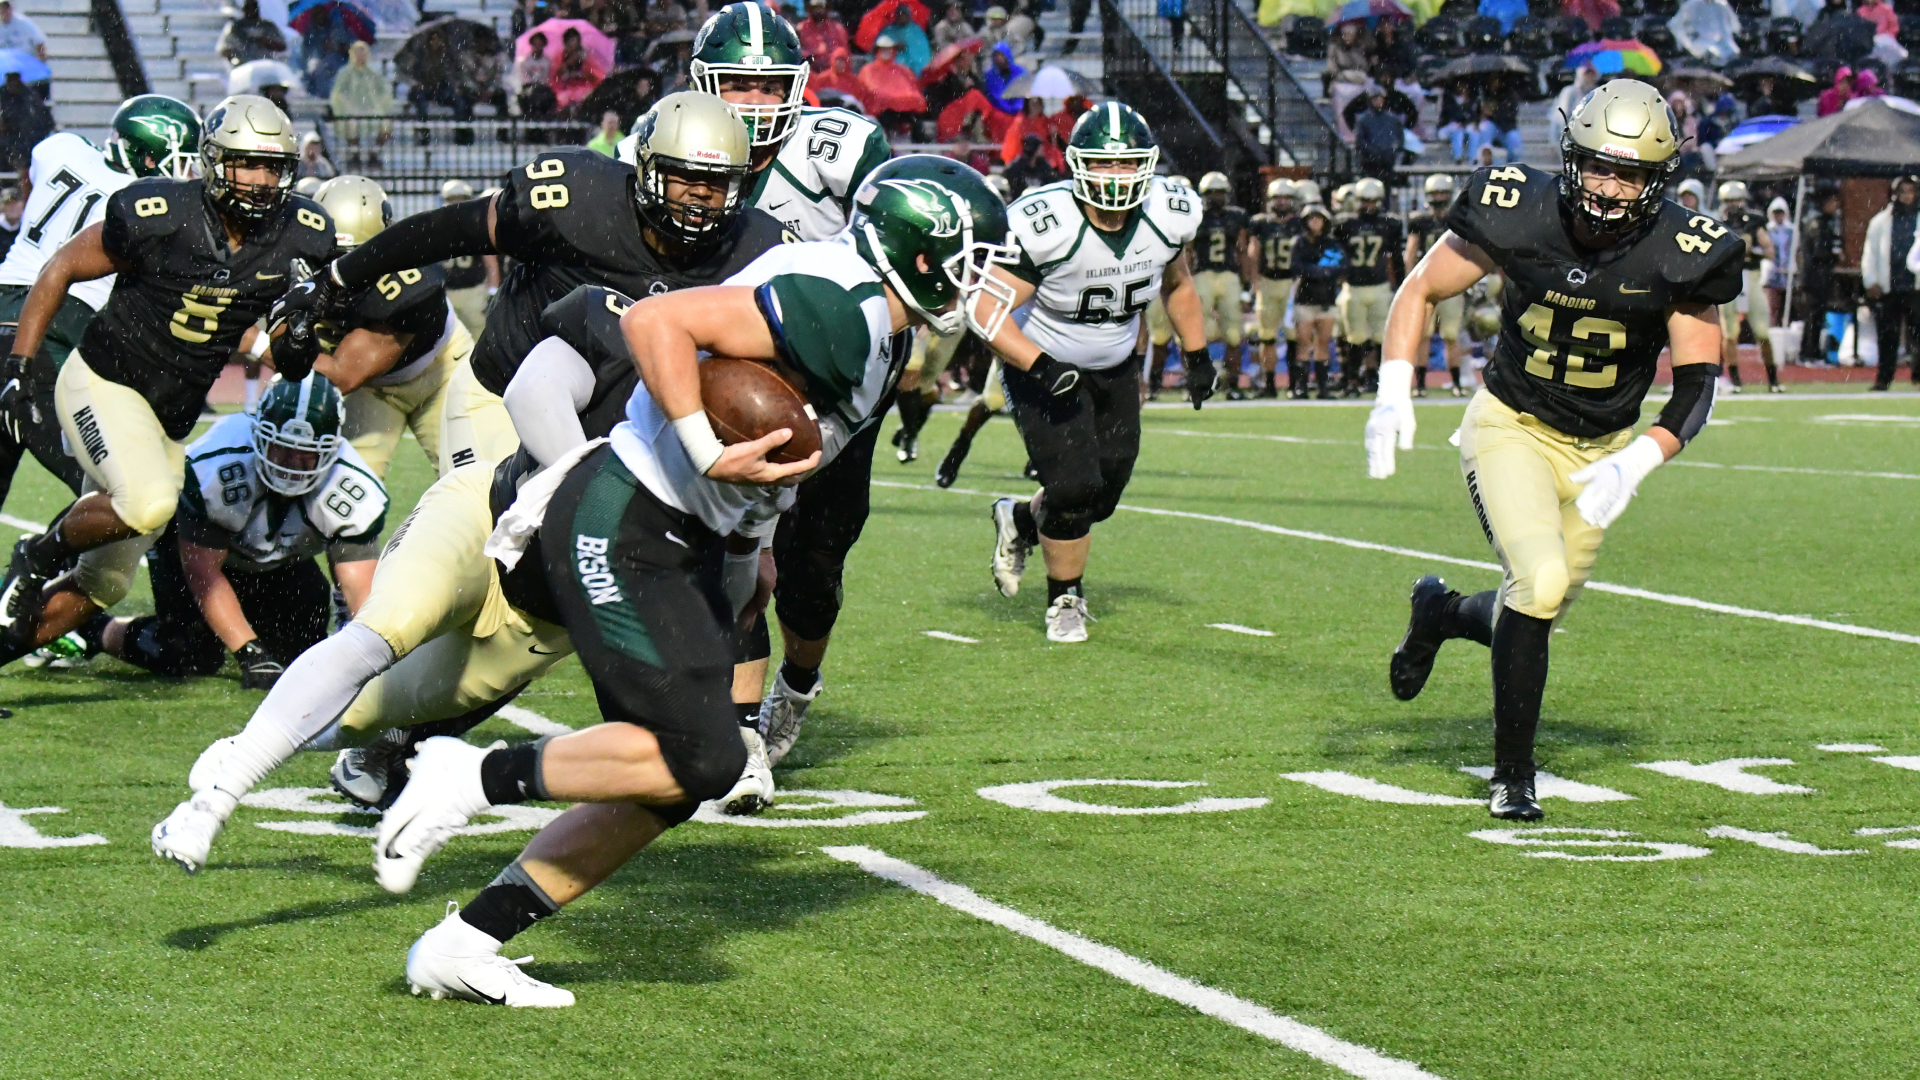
{"x":296,"y":433}
{"x":154,"y":135}
{"x":1106,"y":135}
{"x":933,"y":210}
{"x":747,"y":40}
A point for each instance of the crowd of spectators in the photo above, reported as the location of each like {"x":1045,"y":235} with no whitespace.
{"x":26,"y":116}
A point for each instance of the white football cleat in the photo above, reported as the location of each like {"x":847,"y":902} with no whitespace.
{"x":442,"y":794}
{"x":206,"y":768}
{"x":753,"y":792}
{"x":456,"y":959}
{"x":782,"y":713}
{"x":1067,"y":619}
{"x":187,"y":834}
{"x":1009,"y":551}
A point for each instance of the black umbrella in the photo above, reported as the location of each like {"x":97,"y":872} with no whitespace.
{"x":1772,"y":67}
{"x":459,"y":38}
{"x":629,"y":92}
{"x":1484,"y":64}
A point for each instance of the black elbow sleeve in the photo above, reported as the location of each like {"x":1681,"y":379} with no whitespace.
{"x":418,"y":240}
{"x":1691,"y":405}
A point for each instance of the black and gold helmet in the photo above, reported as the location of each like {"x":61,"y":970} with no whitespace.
{"x":246,"y":131}
{"x":1628,"y":124}
{"x":695,"y":137}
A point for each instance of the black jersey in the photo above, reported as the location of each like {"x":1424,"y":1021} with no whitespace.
{"x":1581,"y":330}
{"x":568,"y":219}
{"x":1424,"y":228}
{"x":177,"y":314}
{"x":409,"y":302}
{"x":465,"y":271}
{"x":1223,"y":232}
{"x":1274,"y":238}
{"x":1748,"y":225}
{"x":588,"y":318}
{"x":1375,"y":244}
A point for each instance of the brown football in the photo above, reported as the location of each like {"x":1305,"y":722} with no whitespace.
{"x":745,"y":399}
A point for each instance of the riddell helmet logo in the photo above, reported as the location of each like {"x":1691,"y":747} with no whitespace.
{"x":1617,"y":150}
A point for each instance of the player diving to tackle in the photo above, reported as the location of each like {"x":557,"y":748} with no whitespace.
{"x":197,"y":263}
{"x":1095,"y":251}
{"x":1602,"y":275}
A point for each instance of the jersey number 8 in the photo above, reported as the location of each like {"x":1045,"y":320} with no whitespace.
{"x":390,"y":288}
{"x":193,"y":307}
{"x":153,"y":207}
{"x":1548,"y":361}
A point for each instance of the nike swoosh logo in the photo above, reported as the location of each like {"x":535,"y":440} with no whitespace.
{"x":776,"y":206}
{"x":488,"y":998}
{"x":1624,"y":291}
{"x":677,"y":540}
{"x":538,"y":651}
{"x":268,"y":277}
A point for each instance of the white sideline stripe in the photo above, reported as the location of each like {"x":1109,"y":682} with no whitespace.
{"x":531,"y":721}
{"x":1477,"y":564}
{"x":1359,"y":787}
{"x":1234,"y":627}
{"x":942,"y":635}
{"x":1688,"y":463}
{"x":1777,"y":841}
{"x":1350,"y":1058}
{"x":1549,"y":786}
{"x":1851,"y":748}
{"x":22,"y":524}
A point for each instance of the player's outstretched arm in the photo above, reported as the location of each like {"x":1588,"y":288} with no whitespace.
{"x":666,"y":335}
{"x":432,"y":236}
{"x":367,"y":352}
{"x":553,"y":384}
{"x":355,"y":578}
{"x":83,"y":258}
{"x":1012,"y":344}
{"x":219,"y":604}
{"x":1693,"y":334}
{"x":1448,"y":270}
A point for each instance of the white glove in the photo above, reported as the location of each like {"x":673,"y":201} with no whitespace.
{"x":1392,"y":418}
{"x":1612,"y":480}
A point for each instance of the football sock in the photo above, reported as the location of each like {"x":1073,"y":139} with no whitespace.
{"x":800,"y":680}
{"x":1320,"y":374}
{"x":317,"y":687}
{"x":1773,"y":371}
{"x":509,"y":905}
{"x":1455,"y":372}
{"x":253,"y":392}
{"x":93,"y":629}
{"x":1470,"y":617}
{"x":1519,"y":681}
{"x":914,"y":410}
{"x":49,"y":551}
{"x":512,"y":774}
{"x":1057,"y":588}
{"x":1419,"y":377}
{"x":1026,"y":524}
{"x":748,"y":713}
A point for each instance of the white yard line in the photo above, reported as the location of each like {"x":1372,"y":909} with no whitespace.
{"x":942,"y":635}
{"x":1477,"y":564}
{"x":1350,"y":1058}
{"x":532,"y":721}
{"x":22,"y":524}
{"x":1236,"y":628}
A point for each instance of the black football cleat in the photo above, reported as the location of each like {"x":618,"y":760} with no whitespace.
{"x":949,"y":469}
{"x":21,"y":597}
{"x":1510,"y":794}
{"x":1413,"y":661}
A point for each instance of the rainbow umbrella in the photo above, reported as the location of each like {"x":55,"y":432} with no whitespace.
{"x":1611,"y":56}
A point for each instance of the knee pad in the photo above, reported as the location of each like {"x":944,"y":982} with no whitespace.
{"x":808,"y":600}
{"x":675,"y":813}
{"x":1543,"y":591}
{"x":707,"y":764}
{"x":165,"y":647}
{"x":102,"y":581}
{"x":753,"y":643}
{"x":149,"y":512}
{"x":1068,"y":522}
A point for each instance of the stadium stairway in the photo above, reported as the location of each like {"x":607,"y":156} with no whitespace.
{"x":85,"y":92}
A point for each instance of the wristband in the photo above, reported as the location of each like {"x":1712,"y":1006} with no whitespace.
{"x":262,"y":341}
{"x":1396,"y":381}
{"x":702,"y":445}
{"x":1640,"y":457}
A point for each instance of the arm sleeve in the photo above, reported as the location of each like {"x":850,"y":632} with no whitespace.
{"x":1691,"y":405}
{"x":418,"y":240}
{"x":357,"y":548}
{"x":546,"y":397}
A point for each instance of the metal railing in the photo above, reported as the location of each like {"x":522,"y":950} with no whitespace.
{"x":416,"y":156}
{"x":1135,"y":75}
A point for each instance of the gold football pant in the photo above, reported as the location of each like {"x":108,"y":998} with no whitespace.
{"x":437,"y":602}
{"x":1363,"y":312}
{"x":1270,"y":297}
{"x":1159,"y":327}
{"x":1447,"y":316}
{"x":1516,"y":469}
{"x":474,"y":425}
{"x":470,"y":307}
{"x":112,"y":431}
{"x":1220,"y":308}
{"x":378,"y":415}
{"x":1758,"y":315}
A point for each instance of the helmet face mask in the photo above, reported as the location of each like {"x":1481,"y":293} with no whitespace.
{"x":1624,"y":131}
{"x":692,"y":157}
{"x":746,"y":50}
{"x":296,"y":434}
{"x":246,"y":134}
{"x":934,"y":230}
{"x":155,"y":135}
{"x":1112,"y":155}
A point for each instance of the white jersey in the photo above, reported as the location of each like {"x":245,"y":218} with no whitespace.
{"x":224,"y":503}
{"x":71,"y":182}
{"x":1093,"y":284}
{"x":810,"y":185}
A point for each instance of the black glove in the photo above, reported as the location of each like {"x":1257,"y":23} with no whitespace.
{"x":301,"y":311}
{"x":1202,"y":377}
{"x":258,"y":669}
{"x":1058,"y":376}
{"x":17,"y":391}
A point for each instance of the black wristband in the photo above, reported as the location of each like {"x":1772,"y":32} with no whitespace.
{"x":418,"y":240}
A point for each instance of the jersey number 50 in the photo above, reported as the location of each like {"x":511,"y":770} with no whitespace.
{"x":1585,"y":367}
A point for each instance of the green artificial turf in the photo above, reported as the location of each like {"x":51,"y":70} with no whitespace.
{"x":731,"y":951}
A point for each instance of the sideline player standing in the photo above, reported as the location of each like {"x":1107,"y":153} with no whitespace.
{"x":1602,"y":275}
{"x":1222,"y":268}
{"x":1751,"y":228}
{"x":198,"y":263}
{"x":1375,"y":246}
{"x":70,"y":180}
{"x":1095,"y":250}
{"x":1424,"y":229}
{"x":1270,"y":235}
